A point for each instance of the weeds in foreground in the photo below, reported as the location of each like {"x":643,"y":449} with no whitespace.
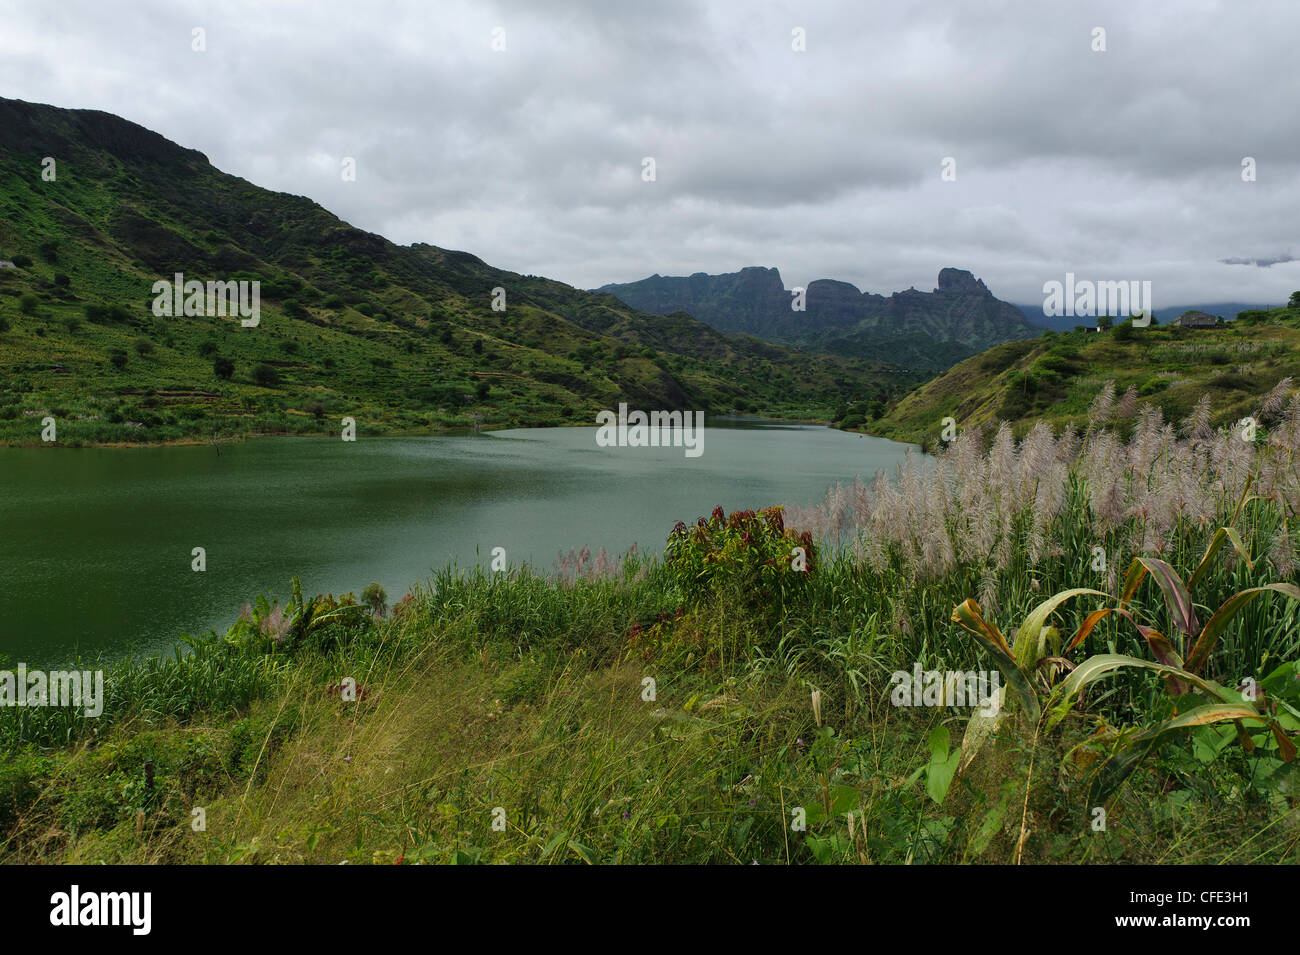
{"x":655,"y":712}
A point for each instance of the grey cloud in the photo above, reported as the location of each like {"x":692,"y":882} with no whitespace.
{"x":823,"y":164}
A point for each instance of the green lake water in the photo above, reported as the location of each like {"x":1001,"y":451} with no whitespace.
{"x":95,"y":544}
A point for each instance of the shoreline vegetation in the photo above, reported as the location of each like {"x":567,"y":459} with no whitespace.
{"x":436,"y":432}
{"x":732,"y":701}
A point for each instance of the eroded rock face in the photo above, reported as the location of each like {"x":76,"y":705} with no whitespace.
{"x":958,"y":318}
{"x":961,"y":282}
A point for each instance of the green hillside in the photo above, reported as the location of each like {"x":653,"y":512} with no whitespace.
{"x":1056,"y":378}
{"x":401,"y":338}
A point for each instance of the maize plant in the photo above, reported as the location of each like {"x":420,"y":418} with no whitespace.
{"x":1029,"y":669}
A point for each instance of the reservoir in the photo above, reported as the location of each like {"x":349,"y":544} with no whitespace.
{"x":96,"y":544}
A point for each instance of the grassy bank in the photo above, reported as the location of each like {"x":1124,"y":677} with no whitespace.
{"x":1055,"y":378}
{"x":509,"y":717}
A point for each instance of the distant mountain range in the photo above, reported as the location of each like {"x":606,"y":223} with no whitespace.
{"x":921,"y":331}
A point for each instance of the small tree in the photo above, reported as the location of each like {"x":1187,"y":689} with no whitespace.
{"x":142,"y":347}
{"x":375,"y":598}
{"x":266,"y":376}
{"x":223,"y":367}
{"x":118,"y":358}
{"x":1295,"y":300}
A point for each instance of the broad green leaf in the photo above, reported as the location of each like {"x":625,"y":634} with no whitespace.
{"x":1208,"y":742}
{"x":843,"y":798}
{"x":1223,"y":616}
{"x":1029,"y":641}
{"x":968,"y":616}
{"x":943,"y":765}
{"x":1283,"y":681}
{"x":989,"y":827}
{"x":1177,"y":599}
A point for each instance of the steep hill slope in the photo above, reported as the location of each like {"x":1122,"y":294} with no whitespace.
{"x":1055,"y":378}
{"x":398,"y":337}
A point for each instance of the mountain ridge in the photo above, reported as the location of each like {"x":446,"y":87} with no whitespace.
{"x":929,"y":330}
{"x":404,"y":338}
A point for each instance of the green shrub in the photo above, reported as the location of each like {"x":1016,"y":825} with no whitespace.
{"x":746,"y":555}
{"x":375,"y":598}
{"x":266,"y":376}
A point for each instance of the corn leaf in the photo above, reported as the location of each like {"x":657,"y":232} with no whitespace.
{"x":1030,"y":639}
{"x":1112,"y":773}
{"x":1103,"y":664}
{"x":968,"y":616}
{"x":1177,"y":599}
{"x":1223,"y":616}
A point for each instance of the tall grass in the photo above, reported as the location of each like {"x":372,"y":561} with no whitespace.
{"x":523,"y":697}
{"x":1010,"y":523}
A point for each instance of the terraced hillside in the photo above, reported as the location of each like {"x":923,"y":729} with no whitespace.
{"x":401,"y":338}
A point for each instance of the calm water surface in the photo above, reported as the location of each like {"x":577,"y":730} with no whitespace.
{"x":95,"y":544}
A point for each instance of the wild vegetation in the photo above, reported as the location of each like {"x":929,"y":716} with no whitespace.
{"x":1055,"y":378}
{"x":400,"y":338}
{"x":732,"y":703}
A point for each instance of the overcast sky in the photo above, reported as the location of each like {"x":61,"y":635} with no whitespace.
{"x":1123,"y":164}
